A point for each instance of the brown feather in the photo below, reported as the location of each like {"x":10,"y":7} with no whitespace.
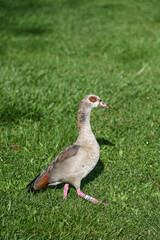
{"x":68,"y":153}
{"x":42,"y":181}
{"x":64,"y":155}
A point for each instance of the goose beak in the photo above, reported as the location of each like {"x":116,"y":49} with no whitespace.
{"x":102,"y":104}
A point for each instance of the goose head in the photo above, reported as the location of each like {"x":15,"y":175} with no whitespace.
{"x":93,"y":101}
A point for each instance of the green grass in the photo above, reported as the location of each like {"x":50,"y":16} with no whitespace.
{"x":52,"y":54}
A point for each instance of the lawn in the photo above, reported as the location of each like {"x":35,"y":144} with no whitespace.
{"x":52,"y":54}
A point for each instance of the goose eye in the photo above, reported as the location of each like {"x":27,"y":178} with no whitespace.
{"x":92,"y":99}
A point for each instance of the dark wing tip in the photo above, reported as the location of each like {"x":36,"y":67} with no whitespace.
{"x":31,"y":184}
{"x":30,"y":189}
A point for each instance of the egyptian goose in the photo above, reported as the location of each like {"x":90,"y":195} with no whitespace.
{"x":76,"y":161}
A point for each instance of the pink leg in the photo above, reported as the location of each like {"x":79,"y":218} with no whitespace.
{"x":91,"y":199}
{"x":65,"y":191}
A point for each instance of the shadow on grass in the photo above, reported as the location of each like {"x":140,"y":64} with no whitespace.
{"x":14,"y":114}
{"x":93,"y":174}
{"x":31,"y":30}
{"x":19,"y":11}
{"x":113,"y":6}
{"x":103,"y":141}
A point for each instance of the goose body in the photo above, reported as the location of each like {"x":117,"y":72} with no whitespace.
{"x":76,"y":161}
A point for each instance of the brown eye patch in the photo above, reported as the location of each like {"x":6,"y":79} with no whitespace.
{"x":93,"y":99}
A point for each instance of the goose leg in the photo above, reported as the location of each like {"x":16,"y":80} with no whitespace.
{"x":65,"y":191}
{"x":91,"y":199}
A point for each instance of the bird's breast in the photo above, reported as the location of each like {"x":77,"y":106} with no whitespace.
{"x":92,"y":157}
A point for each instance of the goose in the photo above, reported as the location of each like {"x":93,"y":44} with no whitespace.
{"x":76,"y":161}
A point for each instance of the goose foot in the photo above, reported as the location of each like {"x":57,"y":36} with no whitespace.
{"x":89,"y":198}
